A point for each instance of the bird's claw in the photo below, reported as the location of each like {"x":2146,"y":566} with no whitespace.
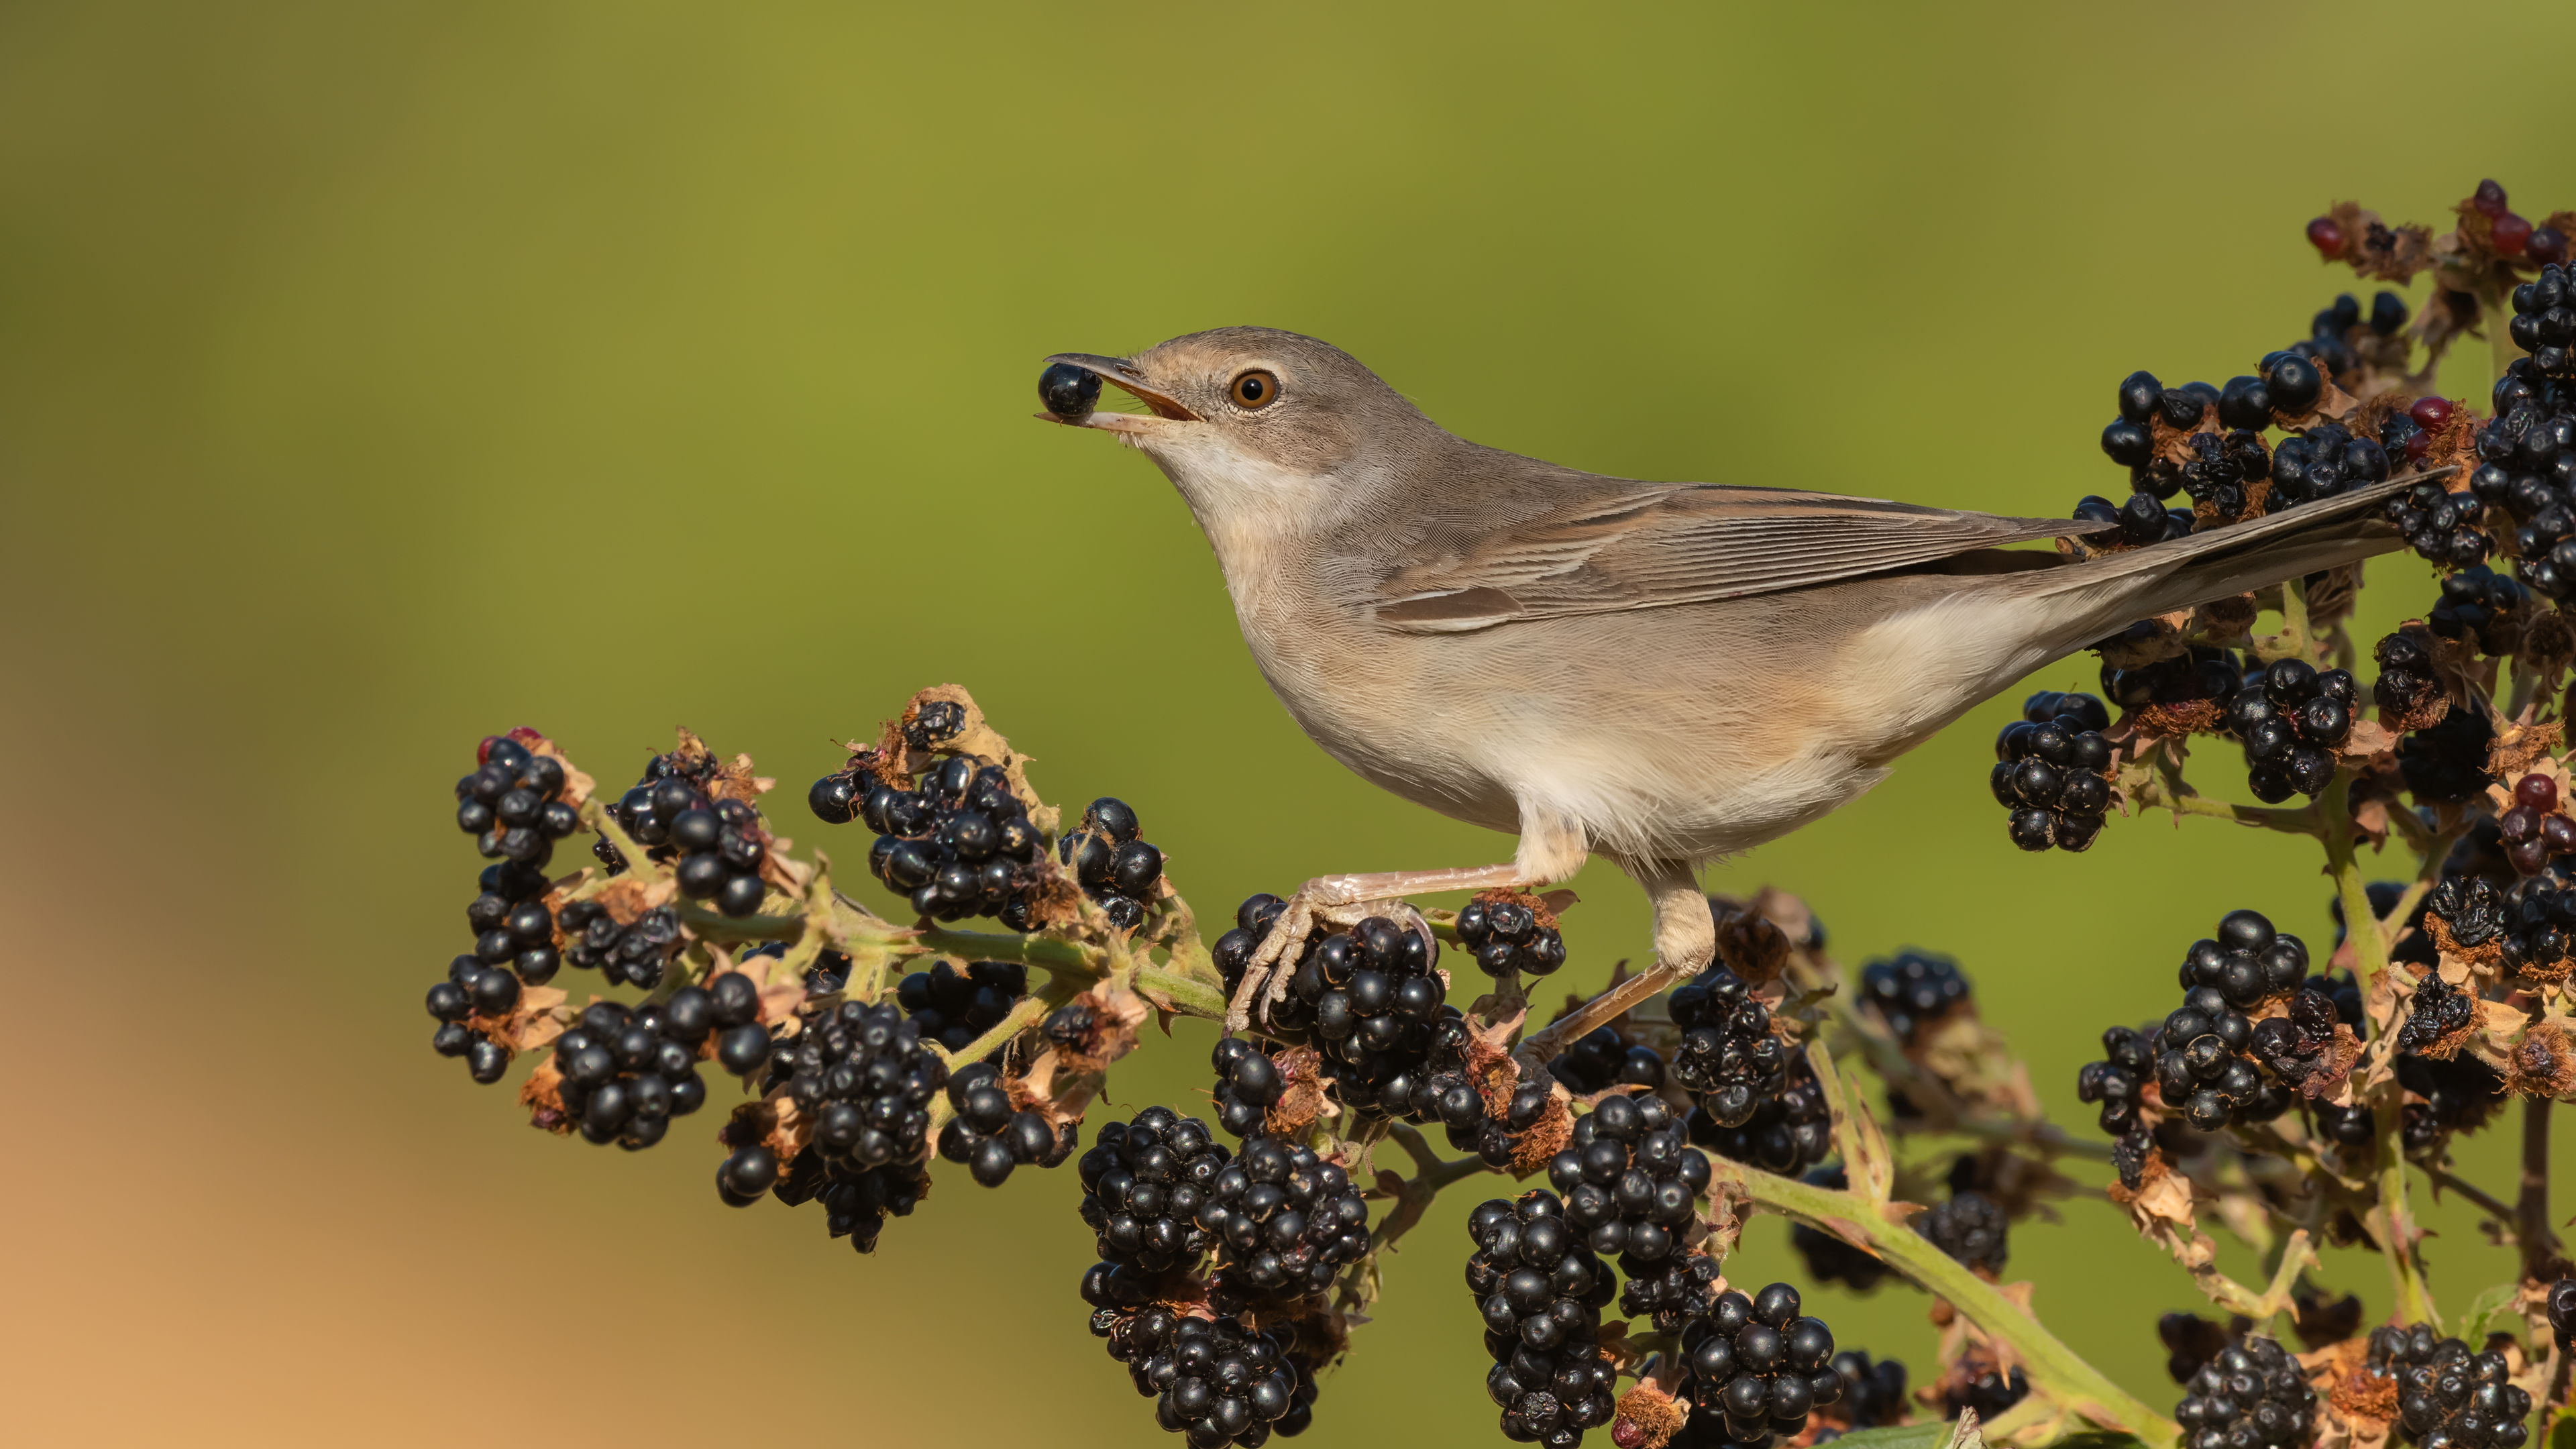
{"x":1266,"y":977}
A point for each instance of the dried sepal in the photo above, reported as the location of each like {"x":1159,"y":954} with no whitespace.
{"x":720,"y":779}
{"x":577,"y":786}
{"x":1647,"y":1417}
{"x":542,"y":1095}
{"x":897,"y":756}
{"x":2230,"y":619}
{"x":630,"y":896}
{"x":1113,"y":1013}
{"x":1304,"y":1092}
{"x":537,"y":1019}
{"x":2542,"y":1063}
{"x":2520,"y":746}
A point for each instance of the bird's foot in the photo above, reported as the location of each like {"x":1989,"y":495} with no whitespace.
{"x":1341,"y":900}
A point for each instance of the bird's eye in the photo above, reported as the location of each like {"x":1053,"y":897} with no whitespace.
{"x":1254,"y":390}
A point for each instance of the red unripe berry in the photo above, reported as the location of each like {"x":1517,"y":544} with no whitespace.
{"x":1627,"y":1433}
{"x":2490,"y":198}
{"x":2511,"y":234}
{"x":2537,"y":791}
{"x":2326,"y":237}
{"x":2432,"y":414}
{"x":2417,"y":445}
{"x":483,"y":750}
{"x":2548,"y":244}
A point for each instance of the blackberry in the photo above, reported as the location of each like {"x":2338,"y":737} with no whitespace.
{"x":2248,"y":963}
{"x":2544,"y":321}
{"x":2459,"y":1095}
{"x":1754,"y":1370}
{"x":2191,"y":1342}
{"x":1371,"y":1001}
{"x":468,"y":1006}
{"x":2253,"y":1395}
{"x":1144,"y":1184}
{"x":634,"y":953}
{"x":2407,"y":683}
{"x":511,"y":804}
{"x":1069,"y":391}
{"x":2540,"y":931}
{"x":1505,"y":935}
{"x":2129,"y":1156}
{"x":1541,"y":1294}
{"x":512,"y":929}
{"x":2324,"y":461}
{"x":1912,"y":990}
{"x":2470,"y":909}
{"x":2442,"y":527}
{"x":1873,"y":1393}
{"x":682,"y":813}
{"x":2119,"y":1083}
{"x":1971,"y":1228}
{"x":861,"y":1074}
{"x":2290,"y":722}
{"x":2203,"y":1070}
{"x":1213,"y":1380}
{"x":1829,"y":1259}
{"x":2143,"y":519}
{"x":989,"y":1135}
{"x":2052,"y":771}
{"x":1629,"y":1181}
{"x":1117,"y":869}
{"x":627,"y":1071}
{"x":1728,"y":1059}
{"x":2222,"y":470}
{"x":2447,"y":763}
{"x":2198,"y":673}
{"x":2473,"y":601}
{"x":2437,"y":1011}
{"x":2532,"y":829}
{"x":956,"y":842}
{"x":2294,"y":1045}
{"x":1670,"y":1292}
{"x":954,"y":1005}
{"x":2562,"y":1313}
{"x":1283,"y":1220}
{"x":1787,"y":1133}
{"x":2446,"y":1394}
{"x":2345,"y":1126}
{"x":1601,"y":1059}
{"x":1248,"y":1085}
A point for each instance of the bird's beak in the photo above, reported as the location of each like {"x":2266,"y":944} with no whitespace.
{"x":1120,"y":373}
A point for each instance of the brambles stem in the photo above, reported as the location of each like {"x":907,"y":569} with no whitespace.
{"x":2532,"y":1231}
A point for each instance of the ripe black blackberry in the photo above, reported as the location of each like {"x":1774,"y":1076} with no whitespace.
{"x":990,"y":1136}
{"x":956,"y":842}
{"x":2442,"y":527}
{"x":2052,"y":771}
{"x":1972,"y":1228}
{"x":2540,"y":931}
{"x":2294,"y":1045}
{"x":2196,"y":674}
{"x":2447,"y":764}
{"x":2143,"y":519}
{"x":1144,"y":1183}
{"x":2290,"y":722}
{"x":1912,"y":989}
{"x":1372,"y":1002}
{"x":627,"y":1071}
{"x":1754,"y":1368}
{"x":1284,"y":1221}
{"x":2248,"y":962}
{"x":954,"y":1006}
{"x":1629,"y":1182}
{"x":2544,"y":322}
{"x":2119,"y":1083}
{"x":1212,"y":1379}
{"x":1829,"y":1259}
{"x":2473,"y":601}
{"x":633,"y":954}
{"x":473,"y":990}
{"x":1541,"y":1294}
{"x":1728,"y":1059}
{"x":2407,"y":682}
{"x":1116,"y":869}
{"x":1504,"y":935}
{"x":1787,"y":1133}
{"x":1248,"y":1085}
{"x":1873,"y":1393}
{"x":2253,"y":1395}
{"x":510,"y":805}
{"x":2448,"y":1395}
{"x":1600,"y":1059}
{"x":714,"y":843}
{"x":2204,"y":1070}
{"x":2324,"y":461}
{"x":861,"y":1074}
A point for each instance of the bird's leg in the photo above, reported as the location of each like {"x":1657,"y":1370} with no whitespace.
{"x":1685,"y":942}
{"x":1550,"y":850}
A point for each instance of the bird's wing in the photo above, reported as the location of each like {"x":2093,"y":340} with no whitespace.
{"x":1648,"y":546}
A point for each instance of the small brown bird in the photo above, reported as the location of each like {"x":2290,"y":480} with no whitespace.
{"x":1664,"y":673}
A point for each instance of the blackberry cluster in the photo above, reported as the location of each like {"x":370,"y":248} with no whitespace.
{"x":1669,"y":1293}
{"x":954,"y":1006}
{"x":1728,"y":1059}
{"x":1787,"y":1134}
{"x":862,"y":1075}
{"x":957,"y":843}
{"x":2119,"y":1082}
{"x":2527,"y":462}
{"x":1284,"y":1221}
{"x":627,"y":1071}
{"x":2442,"y":527}
{"x":2291,"y":719}
{"x":2248,"y":962}
{"x":2438,"y":1010}
{"x":1913,"y":989}
{"x":2544,"y":322}
{"x":2407,"y":681}
{"x":1629,"y":1182}
{"x":1248,"y":1084}
{"x":2144,"y":519}
{"x":2532,"y":829}
{"x":1541,"y":1293}
{"x":1144,"y":1184}
{"x":1755,"y":1369}
{"x":1116,"y":868}
{"x":1212,"y":1380}
{"x":633,"y":954}
{"x":1972,"y":1228}
{"x":2329,"y":341}
{"x":1504,"y":936}
{"x":2472,"y":601}
{"x":1599,"y":1060}
{"x":2223,"y":463}
{"x":716,"y":845}
{"x":855,"y":1204}
{"x":2294,"y":1045}
{"x":2324,"y":461}
{"x":472,"y":989}
{"x":2251,"y":1396}
{"x":508,"y":804}
{"x":2446,"y":764}
{"x":2540,"y":925}
{"x":1873,"y":1393}
{"x":1829,"y":1259}
{"x":990,"y":1136}
{"x":1372,"y":1002}
{"x":2199,"y":1057}
{"x":2446,"y":1394}
{"x":2052,"y":771}
{"x":2198,"y":673}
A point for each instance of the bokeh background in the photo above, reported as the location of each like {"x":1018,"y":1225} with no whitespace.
{"x":374,"y":377}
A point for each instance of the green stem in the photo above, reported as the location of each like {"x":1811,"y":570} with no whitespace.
{"x":2053,"y":1367}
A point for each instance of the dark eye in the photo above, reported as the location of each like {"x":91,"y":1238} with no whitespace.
{"x":1255,"y":390}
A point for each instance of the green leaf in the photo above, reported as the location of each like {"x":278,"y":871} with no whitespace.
{"x":2562,"y":1435}
{"x":2484,"y":1308}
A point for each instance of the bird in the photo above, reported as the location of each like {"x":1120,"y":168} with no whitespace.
{"x":1663,"y":674}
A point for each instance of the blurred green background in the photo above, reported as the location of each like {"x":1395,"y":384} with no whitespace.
{"x":374,"y":377}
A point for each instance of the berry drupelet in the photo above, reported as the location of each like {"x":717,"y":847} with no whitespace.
{"x":954,"y":1005}
{"x":1630,"y":1182}
{"x":1504,"y":936}
{"x":2291,"y":721}
{"x":1912,"y":990}
{"x":1541,"y":1294}
{"x":627,"y":1071}
{"x":860,"y":1073}
{"x":2253,"y":1395}
{"x":2540,"y":930}
{"x":1829,"y":1259}
{"x":1972,"y":1228}
{"x":1144,"y":1184}
{"x":1117,"y":869}
{"x":992,"y":1137}
{"x":2248,"y":961}
{"x":2448,"y":1395}
{"x":1212,"y":1380}
{"x":510,"y":805}
{"x":1755,"y":1368}
{"x":2052,"y":771}
{"x":1601,"y":1059}
{"x":1284,"y":1221}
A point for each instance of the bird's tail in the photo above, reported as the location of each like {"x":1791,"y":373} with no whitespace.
{"x":2107,"y":595}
